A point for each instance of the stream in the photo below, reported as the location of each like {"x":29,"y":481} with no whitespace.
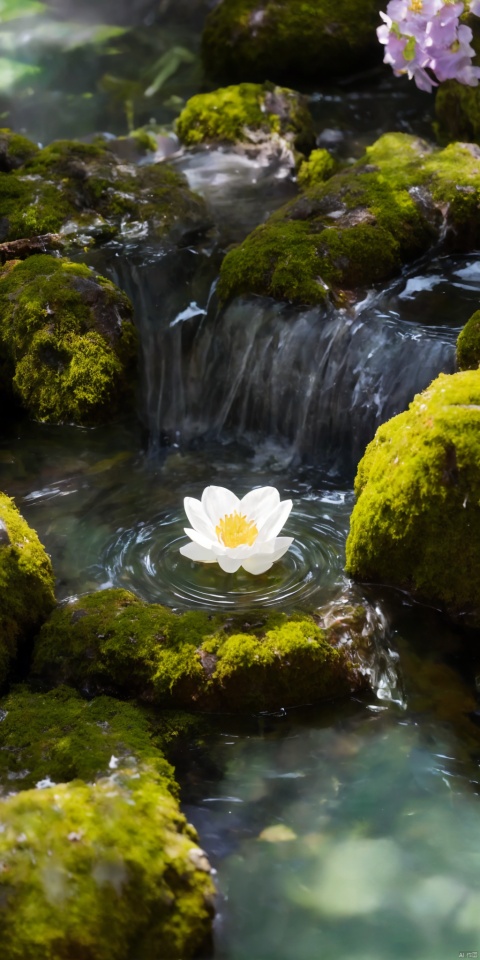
{"x":342,"y":831}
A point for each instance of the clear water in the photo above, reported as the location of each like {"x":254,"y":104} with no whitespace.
{"x":338,"y":831}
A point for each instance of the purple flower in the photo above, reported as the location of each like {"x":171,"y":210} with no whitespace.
{"x":425,"y":40}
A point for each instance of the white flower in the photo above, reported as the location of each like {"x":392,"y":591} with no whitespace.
{"x":237,"y":533}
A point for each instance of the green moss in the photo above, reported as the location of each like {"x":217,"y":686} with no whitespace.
{"x":281,"y":39}
{"x":112,"y":642}
{"x":320,"y":166}
{"x":26,"y":583}
{"x":103,"y":872}
{"x":69,"y":338}
{"x":416,"y":523}
{"x":468,"y":344}
{"x":15,"y":150}
{"x":59,"y":736}
{"x":362,"y":225}
{"x":244,"y":113}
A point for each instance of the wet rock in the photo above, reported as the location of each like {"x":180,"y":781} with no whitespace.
{"x":416,"y":522}
{"x":67,"y":338}
{"x":284,"y":39}
{"x":250,"y":116}
{"x":192,"y":660}
{"x":26,"y":579}
{"x":362,"y":225}
{"x":319,"y":166}
{"x":15,"y":150}
{"x":89,"y":194}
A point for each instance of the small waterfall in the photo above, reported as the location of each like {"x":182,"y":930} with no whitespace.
{"x":316,"y":381}
{"x":321,"y":382}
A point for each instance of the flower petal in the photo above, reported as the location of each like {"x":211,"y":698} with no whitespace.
{"x":199,"y":538}
{"x":274,"y":522}
{"x":258,"y":504}
{"x":198,"y":518}
{"x":258,"y":564}
{"x":281,"y":545}
{"x":217,"y":502}
{"x":228,"y":564}
{"x":195,"y":552}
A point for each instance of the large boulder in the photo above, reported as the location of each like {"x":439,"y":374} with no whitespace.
{"x":26,"y":584}
{"x":67,"y":338}
{"x":86,"y":193}
{"x":259,"y":40}
{"x":249,"y":116}
{"x":361,"y":225}
{"x":112,"y":642}
{"x":416,"y":522}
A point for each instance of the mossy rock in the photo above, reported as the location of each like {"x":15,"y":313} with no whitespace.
{"x":279,"y":40}
{"x":468,"y":344}
{"x":68,"y":338}
{"x":416,"y":522}
{"x":58,"y":736}
{"x":320,"y":166}
{"x":249,"y":114}
{"x":361,"y":225}
{"x":109,"y":871}
{"x":26,"y":583}
{"x":15,"y":150}
{"x":457,"y":108}
{"x":112,"y":642}
{"x":85,"y":191}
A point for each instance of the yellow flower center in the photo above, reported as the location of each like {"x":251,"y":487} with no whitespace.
{"x":416,"y":6}
{"x":234,"y":530}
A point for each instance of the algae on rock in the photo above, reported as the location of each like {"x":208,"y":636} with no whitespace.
{"x":68,"y":339}
{"x":109,"y":871}
{"x":249,"y":115}
{"x":361,"y":225}
{"x":256,"y":40}
{"x":416,"y":522}
{"x":191,"y":660}
{"x":26,"y":584}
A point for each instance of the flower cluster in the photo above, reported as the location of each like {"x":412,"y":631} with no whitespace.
{"x":425,"y":40}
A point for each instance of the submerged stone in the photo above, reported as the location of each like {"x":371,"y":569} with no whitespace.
{"x":67,"y":338}
{"x":416,"y":522}
{"x":361,"y":225}
{"x":107,"y":871}
{"x":87,"y":193}
{"x":112,"y":642}
{"x":283,"y":39}
{"x":250,"y":115}
{"x":26,"y":583}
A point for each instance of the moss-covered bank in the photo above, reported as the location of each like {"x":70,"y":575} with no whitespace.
{"x":112,"y":642}
{"x":67,"y":338}
{"x":87,"y":193}
{"x":416,"y":522}
{"x":361,"y":225}
{"x":259,"y":40}
{"x":26,"y":583}
{"x":109,"y":871}
{"x":248,"y":114}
